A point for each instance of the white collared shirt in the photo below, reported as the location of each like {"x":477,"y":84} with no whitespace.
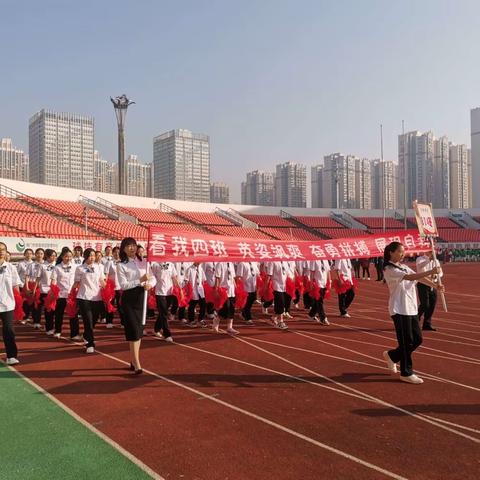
{"x":129,"y":273}
{"x":303,"y":267}
{"x":403,"y":294}
{"x":320,"y":269}
{"x":196,"y":276}
{"x":424,"y":264}
{"x":22,"y":269}
{"x":47,"y":274}
{"x":65,"y":278}
{"x":225,"y":271}
{"x":90,"y":278}
{"x":344,"y":266}
{"x":279,"y":272}
{"x":249,"y":272}
{"x":8,"y":280}
{"x":77,"y":260}
{"x":111,"y":271}
{"x":34,"y":270}
{"x":209,"y":269}
{"x":164,"y":273}
{"x":181,"y":271}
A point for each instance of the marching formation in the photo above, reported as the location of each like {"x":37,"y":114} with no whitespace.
{"x":92,"y":286}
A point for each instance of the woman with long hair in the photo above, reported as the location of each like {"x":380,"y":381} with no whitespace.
{"x":403,"y":309}
{"x":134,"y":280}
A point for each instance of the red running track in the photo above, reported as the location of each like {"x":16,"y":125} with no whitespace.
{"x":313,"y":402}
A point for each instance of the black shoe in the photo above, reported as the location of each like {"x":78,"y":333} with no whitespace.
{"x":131,"y":367}
{"x":138,"y":372}
{"x":429,"y":327}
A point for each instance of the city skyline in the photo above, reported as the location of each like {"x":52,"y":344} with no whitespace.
{"x":256,"y":80}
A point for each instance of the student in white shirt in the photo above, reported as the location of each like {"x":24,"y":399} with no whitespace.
{"x":343,"y":273}
{"x":89,"y":279}
{"x":135,"y":281}
{"x":9,"y":280}
{"x":181,"y":272}
{"x":292,"y":270}
{"x":108,"y":257}
{"x":77,"y":255}
{"x":277,"y":272}
{"x":320,"y":274}
{"x":64,"y":279}
{"x":426,"y":294}
{"x":22,"y":269}
{"x":44,"y":280}
{"x":33,"y":272}
{"x":402,"y":306}
{"x":111,"y":273}
{"x":209,"y":270}
{"x":195,"y":277}
{"x":225,"y":278}
{"x":165,"y":275}
{"x":248,"y":272}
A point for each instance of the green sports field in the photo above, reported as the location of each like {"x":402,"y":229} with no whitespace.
{"x":39,"y":440}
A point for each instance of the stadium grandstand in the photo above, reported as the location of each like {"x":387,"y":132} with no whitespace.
{"x":33,"y":211}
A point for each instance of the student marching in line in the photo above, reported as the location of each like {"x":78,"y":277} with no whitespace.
{"x":9,"y":281}
{"x":77,"y":255}
{"x":403,"y":308}
{"x":181,"y":268}
{"x":33,"y":273}
{"x":343,"y":274}
{"x":225,"y":278}
{"x":195,"y":276}
{"x":277,"y":272}
{"x":64,"y":279}
{"x":45,"y":279}
{"x":209,"y":270}
{"x":22,"y":269}
{"x":134,"y":280}
{"x":89,"y":279}
{"x":165,"y":275}
{"x":291,"y":271}
{"x":108,"y":257}
{"x":319,"y":273}
{"x":248,"y":272}
{"x":111,"y":274}
{"x":427,"y":294}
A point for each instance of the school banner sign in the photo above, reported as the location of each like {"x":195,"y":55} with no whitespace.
{"x":171,"y":246}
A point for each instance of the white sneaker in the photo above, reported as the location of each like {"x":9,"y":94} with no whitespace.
{"x":77,"y":338}
{"x":275,"y":321}
{"x":265,"y":311}
{"x":391,"y":365}
{"x":287,"y":314}
{"x":109,"y":325}
{"x":157,"y":334}
{"x":412,"y":379}
{"x":345,"y":315}
{"x":183,"y":321}
{"x":90,"y":350}
{"x":37,"y":326}
{"x":23,"y":322}
{"x":231,"y":331}
{"x":103,"y":320}
{"x":57,"y":335}
{"x":282,"y":325}
{"x":170,"y":317}
{"x":325,"y":321}
{"x":169,"y":339}
{"x":50,"y":332}
{"x":296,"y":306}
{"x":12,"y":361}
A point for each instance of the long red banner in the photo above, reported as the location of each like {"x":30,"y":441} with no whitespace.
{"x":167,"y":245}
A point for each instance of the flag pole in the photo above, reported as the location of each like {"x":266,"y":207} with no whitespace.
{"x":145,"y":294}
{"x":439,"y":278}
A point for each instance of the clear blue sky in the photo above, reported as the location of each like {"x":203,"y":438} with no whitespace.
{"x":269,"y":80}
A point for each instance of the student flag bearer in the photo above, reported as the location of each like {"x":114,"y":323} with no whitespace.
{"x":403,"y":308}
{"x":9,"y":281}
{"x":133,"y":280}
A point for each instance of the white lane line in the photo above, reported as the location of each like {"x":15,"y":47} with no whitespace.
{"x":359,"y":392}
{"x":473,"y":430}
{"x":78,"y":418}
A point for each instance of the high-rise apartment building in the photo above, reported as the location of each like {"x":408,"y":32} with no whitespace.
{"x":475,"y":156}
{"x":139,"y":177}
{"x":441,"y":173}
{"x":258,"y":188}
{"x":13,"y":161}
{"x":61,"y":149}
{"x":290,"y":185}
{"x":338,"y":177}
{"x":317,"y":186}
{"x":384,"y":182}
{"x":181,"y":165}
{"x":363,"y":187}
{"x":460,"y":176}
{"x":219,"y":192}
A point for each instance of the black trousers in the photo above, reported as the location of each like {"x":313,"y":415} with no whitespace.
{"x":191,"y":309}
{"x":379,"y":269}
{"x":409,"y":337}
{"x":37,"y":311}
{"x":8,"y":334}
{"x":118,"y":304}
{"x":279,"y":302}
{"x":59,"y":312}
{"x":247,"y":309}
{"x":163,"y":304}
{"x":90,"y":312}
{"x":365,"y":270}
{"x":297,"y":297}
{"x":356,"y":269}
{"x":27,"y":309}
{"x":345,"y":300}
{"x":49,"y":316}
{"x":317,"y":307}
{"x":287,"y":302}
{"x":428,"y":301}
{"x":307,"y":300}
{"x":210,"y":309}
{"x":228,"y":309}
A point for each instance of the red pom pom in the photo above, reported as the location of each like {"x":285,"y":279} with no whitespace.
{"x":50,"y":301}
{"x":71,"y":309}
{"x":108,"y":294}
{"x":290,"y":287}
{"x":151,"y":300}
{"x":240,"y":294}
{"x":299,"y":284}
{"x":18,"y":313}
{"x":315,"y":291}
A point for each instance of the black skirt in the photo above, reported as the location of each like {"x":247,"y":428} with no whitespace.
{"x":132,"y":307}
